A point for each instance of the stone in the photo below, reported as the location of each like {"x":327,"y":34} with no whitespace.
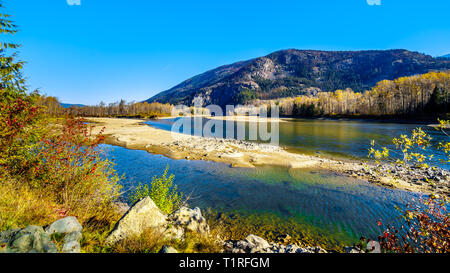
{"x":284,"y":238}
{"x":190,"y":219}
{"x":352,"y":250}
{"x":292,"y":249}
{"x":32,"y":239}
{"x":64,"y":226}
{"x":255,"y":244}
{"x":71,"y":247}
{"x":168,"y":249}
{"x":257,"y":241}
{"x":140,"y":217}
{"x":75,"y":236}
{"x":8,"y":235}
{"x":244,"y":245}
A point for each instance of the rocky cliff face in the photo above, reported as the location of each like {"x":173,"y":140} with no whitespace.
{"x":299,"y":72}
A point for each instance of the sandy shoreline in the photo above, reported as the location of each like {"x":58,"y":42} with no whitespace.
{"x":133,"y":134}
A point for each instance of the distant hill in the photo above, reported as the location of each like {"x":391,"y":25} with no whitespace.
{"x":68,"y":105}
{"x":299,"y":72}
{"x":446,"y":56}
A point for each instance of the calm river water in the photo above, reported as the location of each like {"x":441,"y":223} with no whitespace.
{"x":338,"y":206}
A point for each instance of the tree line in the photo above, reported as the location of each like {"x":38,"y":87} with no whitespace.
{"x":116,"y":109}
{"x":427,"y":94}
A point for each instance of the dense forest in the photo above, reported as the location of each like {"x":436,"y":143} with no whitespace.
{"x":419,"y":95}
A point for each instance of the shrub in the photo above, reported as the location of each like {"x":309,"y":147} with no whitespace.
{"x":69,"y":167}
{"x":162,"y":191}
{"x":47,"y":170}
{"x":424,"y":225}
{"x":424,"y":229}
{"x":411,"y":150}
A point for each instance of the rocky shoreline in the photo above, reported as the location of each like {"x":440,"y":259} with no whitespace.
{"x":142,"y":217}
{"x":426,"y":180}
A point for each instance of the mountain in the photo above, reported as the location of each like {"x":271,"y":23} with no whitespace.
{"x":445,"y":56}
{"x":299,"y":72}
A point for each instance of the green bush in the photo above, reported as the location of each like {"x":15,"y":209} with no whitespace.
{"x":162,"y":191}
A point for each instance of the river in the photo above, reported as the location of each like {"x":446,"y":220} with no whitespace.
{"x":328,"y":204}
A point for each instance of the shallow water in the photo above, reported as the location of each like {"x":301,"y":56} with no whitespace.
{"x":336,"y":138}
{"x":341,"y":207}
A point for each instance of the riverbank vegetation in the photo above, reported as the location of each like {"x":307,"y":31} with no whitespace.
{"x":162,"y":191}
{"x":418,"y":96}
{"x":144,"y":110}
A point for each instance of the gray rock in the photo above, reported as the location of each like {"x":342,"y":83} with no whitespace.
{"x":255,"y":244}
{"x":32,"y":239}
{"x":352,"y":250}
{"x":190,"y":219}
{"x":75,"y":236}
{"x":64,"y":226}
{"x":257,"y":241}
{"x":71,"y":247}
{"x":168,"y":249}
{"x":292,"y":249}
{"x":8,"y":235}
{"x":140,"y":217}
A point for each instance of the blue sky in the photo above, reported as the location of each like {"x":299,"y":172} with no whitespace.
{"x":104,"y":50}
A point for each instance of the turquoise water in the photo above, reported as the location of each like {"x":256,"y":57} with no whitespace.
{"x":337,"y":204}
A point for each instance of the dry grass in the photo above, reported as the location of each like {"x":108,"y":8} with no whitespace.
{"x":152,"y":241}
{"x":20,"y":206}
{"x":149,"y":241}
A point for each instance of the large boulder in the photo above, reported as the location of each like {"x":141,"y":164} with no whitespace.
{"x":140,"y":217}
{"x":65,"y":226}
{"x":190,"y":219}
{"x":32,"y":239}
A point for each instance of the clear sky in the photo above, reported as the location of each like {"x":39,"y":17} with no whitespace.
{"x":105,"y":50}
